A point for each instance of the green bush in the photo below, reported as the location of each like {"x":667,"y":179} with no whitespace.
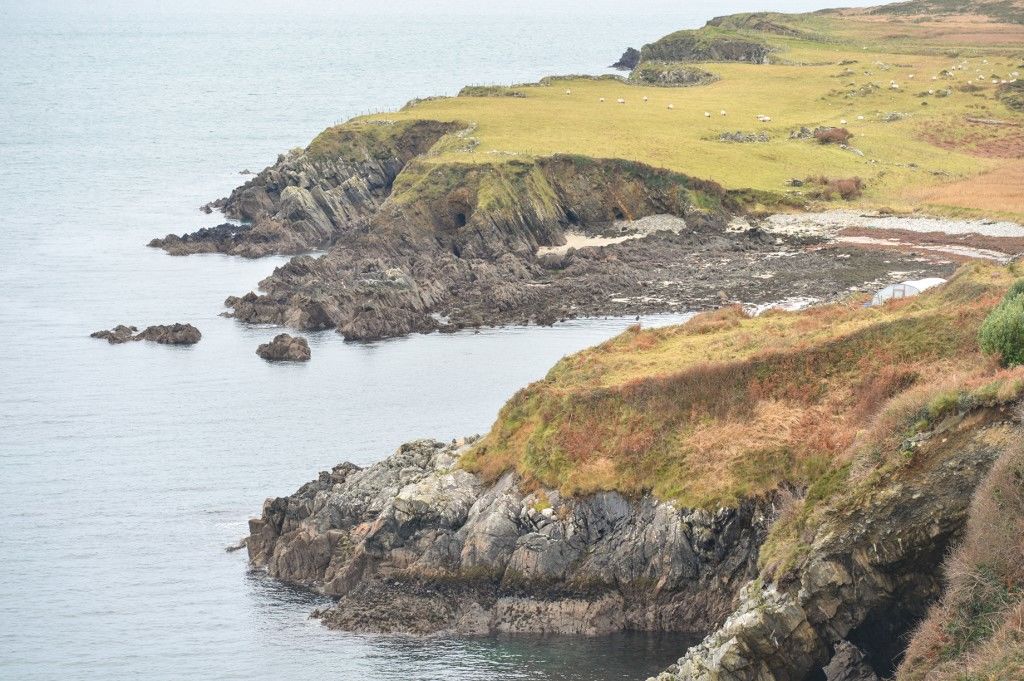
{"x":1002,"y":332}
{"x":1015,"y":290}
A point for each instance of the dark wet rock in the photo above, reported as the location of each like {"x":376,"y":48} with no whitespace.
{"x":417,"y":544}
{"x":165,"y":334}
{"x":628,"y":61}
{"x":220,"y":239}
{"x":285,"y":348}
{"x":118,"y":334}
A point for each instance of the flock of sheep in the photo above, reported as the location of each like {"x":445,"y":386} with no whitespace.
{"x":892,"y":85}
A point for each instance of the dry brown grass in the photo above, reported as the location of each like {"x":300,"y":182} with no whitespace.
{"x":726,"y":406}
{"x":997,"y":191}
{"x":977,"y":630}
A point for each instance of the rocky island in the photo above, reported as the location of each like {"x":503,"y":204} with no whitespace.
{"x":832,"y":493}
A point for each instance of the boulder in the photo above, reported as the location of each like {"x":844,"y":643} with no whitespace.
{"x":285,"y":348}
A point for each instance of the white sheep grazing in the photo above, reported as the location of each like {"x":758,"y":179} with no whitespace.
{"x":671,"y":106}
{"x":645,"y":98}
{"x":722,"y":112}
{"x":911,"y":76}
{"x":935,"y":77}
{"x":842,"y":121}
{"x":860,"y":118}
{"x":601,"y":100}
{"x":931,"y":92}
{"x":620,"y":100}
{"x":707,"y":114}
{"x":568,"y":92}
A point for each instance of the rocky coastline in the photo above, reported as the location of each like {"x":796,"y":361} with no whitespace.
{"x":417,"y":247}
{"x":416,"y":544}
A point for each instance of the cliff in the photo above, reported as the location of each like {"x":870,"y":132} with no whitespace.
{"x":784,"y":487}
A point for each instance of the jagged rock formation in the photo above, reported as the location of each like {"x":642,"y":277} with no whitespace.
{"x":285,"y":348}
{"x":309,"y":197}
{"x":414,"y":543}
{"x":628,"y":61}
{"x":866,"y":576}
{"x":165,"y":334}
{"x":455,"y":245}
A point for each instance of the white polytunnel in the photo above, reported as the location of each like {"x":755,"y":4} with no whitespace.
{"x":905,"y":289}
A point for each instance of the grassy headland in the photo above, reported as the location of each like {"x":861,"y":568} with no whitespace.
{"x":910,"y":82}
{"x":727,"y":406}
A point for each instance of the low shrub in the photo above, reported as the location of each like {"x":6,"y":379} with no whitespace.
{"x":833,"y":135}
{"x":1002,"y":332}
{"x":827,"y":188}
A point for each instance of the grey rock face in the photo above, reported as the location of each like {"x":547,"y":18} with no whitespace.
{"x":285,"y":348}
{"x":166,"y":334}
{"x":414,"y":543}
{"x":305,"y":201}
{"x":869,"y":574}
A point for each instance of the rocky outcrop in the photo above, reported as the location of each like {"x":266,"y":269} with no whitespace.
{"x":165,"y":334}
{"x":415,"y":543}
{"x":285,"y":348}
{"x":310,"y":197}
{"x":670,"y":74}
{"x":628,"y":61}
{"x":869,"y":572}
{"x":456,"y":246}
{"x":704,"y":46}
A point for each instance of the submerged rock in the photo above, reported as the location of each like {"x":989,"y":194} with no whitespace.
{"x":417,"y":544}
{"x":285,"y":348}
{"x":165,"y":334}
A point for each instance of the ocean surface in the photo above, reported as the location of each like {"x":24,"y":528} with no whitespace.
{"x":126,"y":470}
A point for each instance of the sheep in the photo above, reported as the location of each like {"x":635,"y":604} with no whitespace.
{"x":931,"y":92}
{"x":722,"y":112}
{"x":842,"y":121}
{"x":601,"y":99}
{"x":568,"y":92}
{"x":763,"y":118}
{"x":645,"y":98}
{"x":910,"y":77}
{"x":707,"y":114}
{"x":671,"y":106}
{"x":860,"y":118}
{"x":620,"y":100}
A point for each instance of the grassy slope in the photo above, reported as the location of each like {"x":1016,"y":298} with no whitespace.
{"x":928,"y":157}
{"x":976,"y":632}
{"x":727,"y":406}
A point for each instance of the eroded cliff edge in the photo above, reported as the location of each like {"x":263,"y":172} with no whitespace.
{"x":785,"y":487}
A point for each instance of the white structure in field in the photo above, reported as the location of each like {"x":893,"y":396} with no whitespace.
{"x":905,"y":289}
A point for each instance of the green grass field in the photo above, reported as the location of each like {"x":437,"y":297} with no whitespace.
{"x":842,"y":74}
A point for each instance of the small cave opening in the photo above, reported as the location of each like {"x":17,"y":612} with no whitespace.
{"x":460,"y":219}
{"x":883,"y":637}
{"x":571,"y":217}
{"x":619,"y":215}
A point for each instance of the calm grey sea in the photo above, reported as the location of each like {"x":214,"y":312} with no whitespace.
{"x":124,"y":471}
